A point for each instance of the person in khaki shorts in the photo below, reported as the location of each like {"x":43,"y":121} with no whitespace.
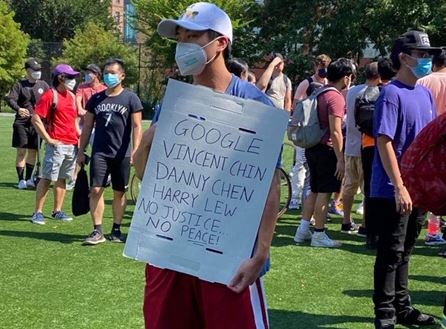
{"x":61,"y":135}
{"x":354,"y":177}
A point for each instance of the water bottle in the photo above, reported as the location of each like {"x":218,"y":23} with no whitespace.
{"x":433,"y":224}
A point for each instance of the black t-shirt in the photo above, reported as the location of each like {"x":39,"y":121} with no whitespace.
{"x":113,"y":122}
{"x":25,"y":94}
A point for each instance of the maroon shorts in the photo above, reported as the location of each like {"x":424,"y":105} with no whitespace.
{"x":174,"y":300}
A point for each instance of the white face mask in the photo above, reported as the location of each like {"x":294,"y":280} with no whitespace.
{"x":70,"y":83}
{"x":36,"y":75}
{"x":191,"y":58}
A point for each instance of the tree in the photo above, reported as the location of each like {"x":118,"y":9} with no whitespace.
{"x":94,"y":44}
{"x":55,"y":20}
{"x":13,"y":45}
{"x":343,"y":28}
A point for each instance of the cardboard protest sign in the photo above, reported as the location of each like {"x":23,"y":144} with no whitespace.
{"x":206,"y":182}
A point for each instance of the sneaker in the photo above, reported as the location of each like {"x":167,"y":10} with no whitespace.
{"x":61,"y":216}
{"x":38,"y":218}
{"x":30,"y":183}
{"x":360,"y":210}
{"x":335,"y":209}
{"x":362,"y":232}
{"x":350,"y":228}
{"x":94,"y":238}
{"x":302,"y":236}
{"x":294,"y":204}
{"x":116,"y":236}
{"x":434,"y":240}
{"x":415,"y":317}
{"x":22,"y":185}
{"x":321,"y":239}
{"x":442,"y":253}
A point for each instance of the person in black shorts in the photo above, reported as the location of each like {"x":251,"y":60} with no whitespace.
{"x":22,"y":99}
{"x":116,"y":114}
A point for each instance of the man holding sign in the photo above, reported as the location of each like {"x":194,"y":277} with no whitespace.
{"x":173,"y":299}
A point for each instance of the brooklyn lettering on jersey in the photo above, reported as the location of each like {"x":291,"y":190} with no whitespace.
{"x":121,"y":109}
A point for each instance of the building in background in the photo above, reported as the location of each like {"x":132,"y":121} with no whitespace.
{"x":122,"y":12}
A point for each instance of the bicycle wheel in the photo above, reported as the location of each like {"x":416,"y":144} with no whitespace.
{"x":135,"y":186}
{"x":285,"y":192}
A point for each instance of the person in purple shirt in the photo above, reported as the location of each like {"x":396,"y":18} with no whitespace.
{"x":402,"y":110}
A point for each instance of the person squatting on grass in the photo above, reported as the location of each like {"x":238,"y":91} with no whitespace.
{"x":61,"y":134}
{"x":178,"y":301}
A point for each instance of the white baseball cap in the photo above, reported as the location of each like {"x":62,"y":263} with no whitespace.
{"x":200,"y":16}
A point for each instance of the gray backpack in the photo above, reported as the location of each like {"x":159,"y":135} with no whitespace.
{"x":304,"y":129}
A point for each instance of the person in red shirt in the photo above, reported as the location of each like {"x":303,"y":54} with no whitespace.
{"x":326,"y":159}
{"x":92,"y":85}
{"x":61,"y":134}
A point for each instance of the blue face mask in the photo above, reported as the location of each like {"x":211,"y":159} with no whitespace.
{"x":88,"y":78}
{"x":423,"y":67}
{"x":111,"y":80}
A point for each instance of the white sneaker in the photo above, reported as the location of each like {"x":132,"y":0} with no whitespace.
{"x":294,"y":204}
{"x":321,"y":239}
{"x":30,"y":183}
{"x":22,"y":185}
{"x":360,"y":210}
{"x":302,"y":236}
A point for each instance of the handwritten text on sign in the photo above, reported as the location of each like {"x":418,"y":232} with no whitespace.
{"x":183,"y":187}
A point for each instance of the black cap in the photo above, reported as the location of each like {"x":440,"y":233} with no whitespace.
{"x":413,"y":40}
{"x":93,"y":68}
{"x":32,"y":64}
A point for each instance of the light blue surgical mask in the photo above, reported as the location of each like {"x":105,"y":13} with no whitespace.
{"x":88,"y":78}
{"x":191,"y":57}
{"x":423,"y":67}
{"x":111,"y":80}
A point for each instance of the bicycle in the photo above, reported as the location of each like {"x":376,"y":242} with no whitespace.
{"x":287,"y":163}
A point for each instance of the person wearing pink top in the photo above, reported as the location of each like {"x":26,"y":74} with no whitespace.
{"x":436,"y":82}
{"x":92,"y":85}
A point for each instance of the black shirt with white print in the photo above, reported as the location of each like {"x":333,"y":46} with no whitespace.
{"x":26,"y":94}
{"x":113,"y":120}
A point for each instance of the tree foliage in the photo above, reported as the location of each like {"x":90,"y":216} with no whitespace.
{"x":56,"y":20}
{"x":13,"y":45}
{"x":94,"y":44}
{"x":303,"y":29}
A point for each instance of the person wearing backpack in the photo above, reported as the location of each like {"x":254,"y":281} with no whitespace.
{"x":61,"y":134}
{"x":353,"y":165}
{"x":300,"y":175}
{"x":326,"y":159}
{"x":402,"y":110}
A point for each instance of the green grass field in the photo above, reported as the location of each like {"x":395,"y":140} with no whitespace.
{"x":49,"y":280}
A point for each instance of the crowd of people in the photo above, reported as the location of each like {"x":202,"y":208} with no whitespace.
{"x":400,"y":90}
{"x":64,"y":120}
